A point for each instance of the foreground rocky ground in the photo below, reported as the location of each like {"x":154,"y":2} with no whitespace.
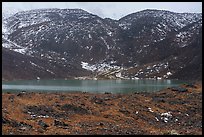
{"x":175,"y":110}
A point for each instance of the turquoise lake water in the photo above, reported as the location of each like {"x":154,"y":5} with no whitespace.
{"x":100,"y":86}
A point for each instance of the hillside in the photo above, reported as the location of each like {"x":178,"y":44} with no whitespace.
{"x":73,"y":43}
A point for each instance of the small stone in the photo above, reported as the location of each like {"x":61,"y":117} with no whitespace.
{"x":174,"y":132}
{"x":40,"y":130}
{"x":11,"y":98}
{"x":43,"y":124}
{"x":100,"y":124}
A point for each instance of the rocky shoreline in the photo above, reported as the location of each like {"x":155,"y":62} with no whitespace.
{"x":176,"y":110}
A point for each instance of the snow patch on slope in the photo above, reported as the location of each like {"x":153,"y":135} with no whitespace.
{"x":87,"y":66}
{"x":108,"y":47}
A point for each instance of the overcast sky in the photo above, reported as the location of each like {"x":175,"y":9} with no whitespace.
{"x":114,"y":10}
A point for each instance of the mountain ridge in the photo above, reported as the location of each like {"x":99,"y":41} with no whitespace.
{"x":89,"y":46}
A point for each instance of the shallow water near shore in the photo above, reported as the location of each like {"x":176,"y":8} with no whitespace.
{"x":94,"y":86}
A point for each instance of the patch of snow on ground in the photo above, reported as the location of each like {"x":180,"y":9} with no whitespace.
{"x":146,"y":46}
{"x":109,"y":33}
{"x":50,"y":71}
{"x":87,"y":66}
{"x":108,"y":47}
{"x":169,"y":73}
{"x":63,"y":58}
{"x":136,"y":78}
{"x":103,"y":68}
{"x":159,"y":78}
{"x":150,"y":109}
{"x":22,"y":51}
{"x":36,"y":65}
{"x":4,"y":28}
{"x":6,"y":45}
{"x":165,"y":120}
{"x":166,"y":116}
{"x":13,"y":46}
{"x":125,"y":25}
{"x":90,"y":36}
{"x":118,"y":74}
{"x":156,"y":119}
{"x":113,"y":62}
{"x":33,"y":64}
{"x":139,"y":51}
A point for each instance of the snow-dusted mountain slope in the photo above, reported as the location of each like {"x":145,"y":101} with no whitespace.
{"x":75,"y":43}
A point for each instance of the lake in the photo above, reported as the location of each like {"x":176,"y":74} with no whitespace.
{"x":99,"y":86}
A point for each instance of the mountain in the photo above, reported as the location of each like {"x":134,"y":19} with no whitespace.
{"x":73,"y":43}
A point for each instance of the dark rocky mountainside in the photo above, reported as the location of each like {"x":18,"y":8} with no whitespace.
{"x":73,"y":43}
